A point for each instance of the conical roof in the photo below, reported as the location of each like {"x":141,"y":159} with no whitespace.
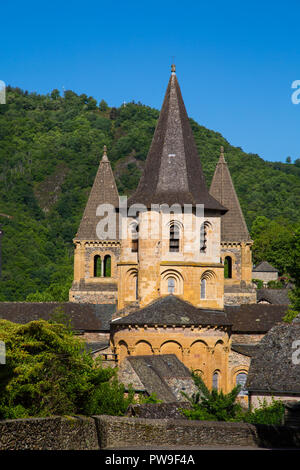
{"x":104,"y":191}
{"x":233,"y":225}
{"x":173,"y":172}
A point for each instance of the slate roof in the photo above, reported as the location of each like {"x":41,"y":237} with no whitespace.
{"x":273,"y":296}
{"x":254,"y":318}
{"x":104,"y":191}
{"x":233,"y":225}
{"x":265,"y":267}
{"x":173,"y":172}
{"x":172,"y":310}
{"x":272,"y":369}
{"x":96,"y":346}
{"x":155,"y":371}
{"x":84,"y":317}
{"x":245,"y":349}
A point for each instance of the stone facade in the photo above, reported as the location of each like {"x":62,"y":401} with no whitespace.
{"x":265,"y":277}
{"x":88,"y":287}
{"x":157,"y":252}
{"x":205,"y":350}
{"x":154,"y":264}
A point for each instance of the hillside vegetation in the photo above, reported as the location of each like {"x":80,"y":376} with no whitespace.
{"x":50,"y":148}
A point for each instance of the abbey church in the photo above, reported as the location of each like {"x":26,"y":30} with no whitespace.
{"x":185,"y":288}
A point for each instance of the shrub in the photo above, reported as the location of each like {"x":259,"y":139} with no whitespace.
{"x":259,"y":283}
{"x":149,"y":399}
{"x":212,"y":405}
{"x":266,"y":413}
{"x":49,"y":372}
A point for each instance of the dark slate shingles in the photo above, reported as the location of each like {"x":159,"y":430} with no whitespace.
{"x":272,"y":369}
{"x":273,"y":296}
{"x":84,"y":317}
{"x":233,"y":225}
{"x":265,"y":267}
{"x":254,"y":318}
{"x":173,"y":173}
{"x":172,"y":310}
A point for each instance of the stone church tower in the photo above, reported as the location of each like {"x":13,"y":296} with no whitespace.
{"x":95,"y":260}
{"x":182,"y":256}
{"x":235,"y":239}
{"x":174,"y":237}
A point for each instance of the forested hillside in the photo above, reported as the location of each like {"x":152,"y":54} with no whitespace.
{"x":50,"y":147}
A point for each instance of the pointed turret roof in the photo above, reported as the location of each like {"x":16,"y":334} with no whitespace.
{"x":173,"y":172}
{"x":233,"y":225}
{"x":104,"y":191}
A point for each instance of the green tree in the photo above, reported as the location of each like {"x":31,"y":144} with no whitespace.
{"x":294,"y":270}
{"x":103,"y":106}
{"x":273,"y":242}
{"x":48,"y":372}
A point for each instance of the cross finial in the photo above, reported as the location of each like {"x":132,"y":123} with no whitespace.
{"x":104,"y":156}
{"x":222,"y":159}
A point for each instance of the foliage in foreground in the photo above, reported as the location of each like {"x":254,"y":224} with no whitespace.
{"x":266,"y":413}
{"x":214,"y":405}
{"x":48,"y":372}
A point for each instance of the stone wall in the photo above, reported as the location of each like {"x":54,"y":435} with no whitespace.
{"x":116,"y":432}
{"x":55,"y":433}
{"x":113,"y":432}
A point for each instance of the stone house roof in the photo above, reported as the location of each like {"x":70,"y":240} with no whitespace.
{"x":245,"y":349}
{"x":171,"y":310}
{"x":254,"y":318}
{"x":273,"y":368}
{"x":233,"y":225}
{"x":83,"y":317}
{"x":273,"y":296}
{"x":173,"y":172}
{"x":165,"y":375}
{"x":265,"y":267}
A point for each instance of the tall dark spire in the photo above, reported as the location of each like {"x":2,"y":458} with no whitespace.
{"x":104,"y":191}
{"x":173,"y":172}
{"x":233,"y":225}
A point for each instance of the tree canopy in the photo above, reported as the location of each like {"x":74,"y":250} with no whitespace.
{"x":50,"y":148}
{"x":49,"y":372}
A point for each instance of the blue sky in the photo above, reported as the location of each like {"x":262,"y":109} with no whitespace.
{"x":235,"y":61}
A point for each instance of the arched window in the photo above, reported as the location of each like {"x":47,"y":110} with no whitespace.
{"x":171,"y":285}
{"x":97,"y":266}
{"x":107,"y":266}
{"x":174,"y":237}
{"x":228,"y":267}
{"x":215,"y":381}
{"x":208,"y":285}
{"x":203,"y":236}
{"x":134,"y":238}
{"x":241,"y":380}
{"x":203,"y":289}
